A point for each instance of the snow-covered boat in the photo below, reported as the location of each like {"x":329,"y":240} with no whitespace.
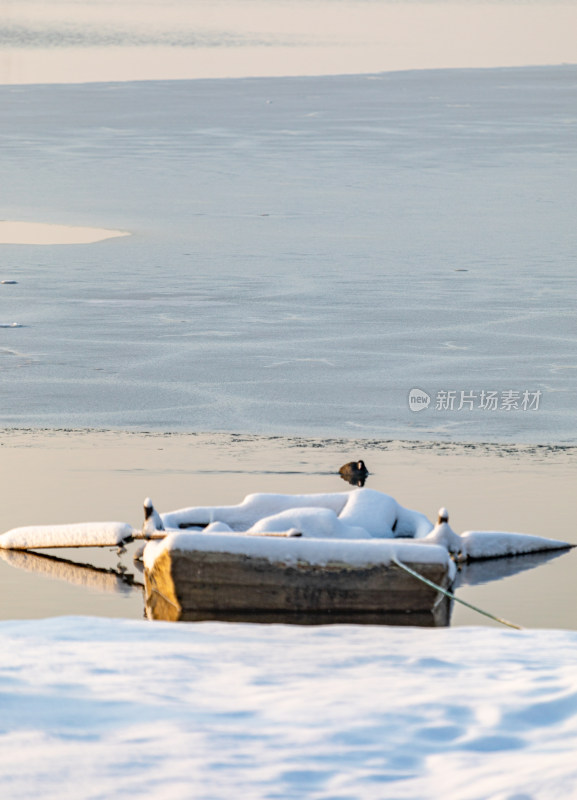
{"x":335,"y":554}
{"x":329,"y":554}
{"x":349,"y":553}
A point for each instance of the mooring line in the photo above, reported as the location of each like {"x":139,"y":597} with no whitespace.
{"x":454,"y":597}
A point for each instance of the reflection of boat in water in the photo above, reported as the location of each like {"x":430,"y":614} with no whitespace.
{"x":85,"y":576}
{"x":159,"y":608}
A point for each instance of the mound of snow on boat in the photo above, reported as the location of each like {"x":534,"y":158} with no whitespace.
{"x":378,"y":515}
{"x":354,"y":515}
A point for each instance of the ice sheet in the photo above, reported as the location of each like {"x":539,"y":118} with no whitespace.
{"x":36,"y":233}
{"x":422,"y":236}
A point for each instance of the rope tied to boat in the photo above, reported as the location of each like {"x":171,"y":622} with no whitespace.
{"x":453,"y":596}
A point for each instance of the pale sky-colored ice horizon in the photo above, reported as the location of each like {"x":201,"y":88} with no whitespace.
{"x":87,"y":41}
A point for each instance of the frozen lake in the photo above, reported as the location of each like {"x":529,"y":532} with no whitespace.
{"x":307,"y":256}
{"x":304,"y":252}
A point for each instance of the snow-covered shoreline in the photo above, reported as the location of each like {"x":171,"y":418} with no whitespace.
{"x":102,"y":708}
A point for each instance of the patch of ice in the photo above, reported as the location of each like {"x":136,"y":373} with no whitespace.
{"x":42,"y":233}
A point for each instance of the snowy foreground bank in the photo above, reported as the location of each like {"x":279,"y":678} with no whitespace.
{"x":106,"y":708}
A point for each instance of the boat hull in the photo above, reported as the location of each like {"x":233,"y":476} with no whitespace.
{"x":188,"y":584}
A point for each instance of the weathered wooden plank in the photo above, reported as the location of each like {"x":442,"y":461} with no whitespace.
{"x":192,"y":581}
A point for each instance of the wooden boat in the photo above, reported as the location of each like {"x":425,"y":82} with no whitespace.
{"x":191,"y":576}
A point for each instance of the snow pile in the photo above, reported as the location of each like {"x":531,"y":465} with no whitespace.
{"x":218,"y":527}
{"x":381,"y":515}
{"x":81,"y":534}
{"x":377,"y":514}
{"x":319,"y":523}
{"x":110,"y":708}
{"x":474,"y":545}
{"x":318,"y":552}
{"x":253,"y":508}
{"x":358,"y":514}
